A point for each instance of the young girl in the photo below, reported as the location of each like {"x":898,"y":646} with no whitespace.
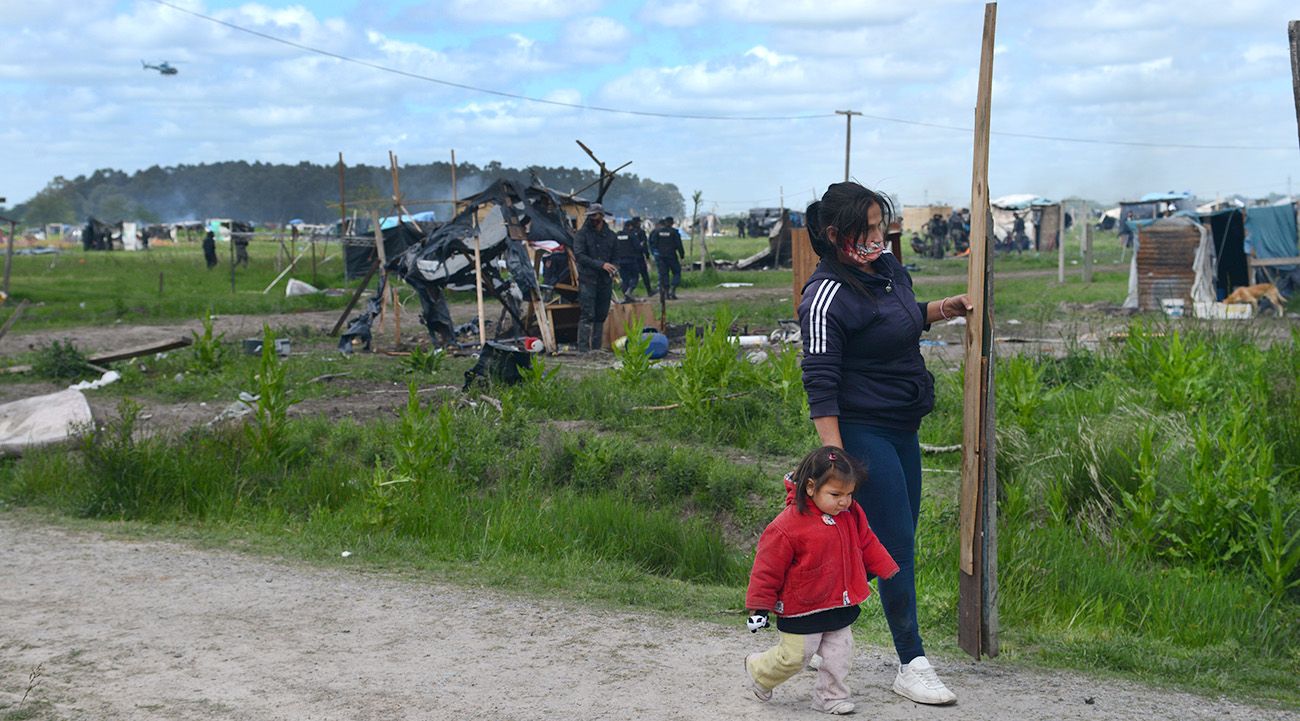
{"x":811,"y":571}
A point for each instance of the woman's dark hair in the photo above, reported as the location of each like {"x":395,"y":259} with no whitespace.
{"x":844,"y":207}
{"x":821,"y":466}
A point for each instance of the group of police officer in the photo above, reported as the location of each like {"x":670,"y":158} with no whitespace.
{"x":603,"y":253}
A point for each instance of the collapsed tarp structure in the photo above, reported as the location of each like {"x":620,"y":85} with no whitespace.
{"x":1202,"y":258}
{"x":1043,"y":220}
{"x":97,"y":235}
{"x":509,"y":223}
{"x":360,"y":253}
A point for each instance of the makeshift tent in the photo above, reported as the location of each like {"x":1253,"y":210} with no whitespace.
{"x":1150,"y":207}
{"x":1271,"y":233}
{"x":1203,"y":258}
{"x":1043,"y":219}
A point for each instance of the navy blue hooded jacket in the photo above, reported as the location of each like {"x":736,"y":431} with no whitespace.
{"x":861,"y":353}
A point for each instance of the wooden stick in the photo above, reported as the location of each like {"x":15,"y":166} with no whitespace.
{"x":356,"y":295}
{"x":478,"y":286}
{"x":1293,"y":33}
{"x":13,"y":317}
{"x":284,"y":272}
{"x":976,"y":606}
{"x":383,"y":263}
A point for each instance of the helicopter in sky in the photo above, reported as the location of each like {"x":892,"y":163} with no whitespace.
{"x":163,"y":68}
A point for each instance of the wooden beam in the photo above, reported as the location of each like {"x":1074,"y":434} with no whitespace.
{"x":1293,"y":33}
{"x":974,"y":592}
{"x":356,"y":295}
{"x":13,"y":317}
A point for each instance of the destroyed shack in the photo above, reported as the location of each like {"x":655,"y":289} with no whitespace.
{"x":1043,"y":220}
{"x":523,"y":239}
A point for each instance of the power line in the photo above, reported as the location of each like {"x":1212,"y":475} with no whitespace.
{"x":690,"y":116}
{"x":463,"y":86}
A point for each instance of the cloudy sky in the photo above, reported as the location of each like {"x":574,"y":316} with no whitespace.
{"x":1185,"y":72}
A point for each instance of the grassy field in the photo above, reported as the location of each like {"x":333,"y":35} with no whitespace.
{"x":1149,"y":506}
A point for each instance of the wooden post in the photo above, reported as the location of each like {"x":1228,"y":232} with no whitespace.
{"x":1087,"y":250}
{"x":1060,"y":256}
{"x":9,"y":254}
{"x":977,"y":575}
{"x":454,"y":198}
{"x":1293,"y":33}
{"x":383,"y":262}
{"x":478,"y":286}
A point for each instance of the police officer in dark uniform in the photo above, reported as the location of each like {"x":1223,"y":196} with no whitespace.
{"x":630,"y":252}
{"x":596,"y":249}
{"x":643,"y":248}
{"x":210,"y":249}
{"x":668,"y":246}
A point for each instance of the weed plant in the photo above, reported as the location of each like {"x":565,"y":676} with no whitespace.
{"x":60,"y":361}
{"x":1145,"y":527}
{"x":208,"y":351}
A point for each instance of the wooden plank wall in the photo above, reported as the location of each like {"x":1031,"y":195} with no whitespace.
{"x":805,"y":261}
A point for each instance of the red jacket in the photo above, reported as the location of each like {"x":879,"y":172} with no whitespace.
{"x":809,"y":562}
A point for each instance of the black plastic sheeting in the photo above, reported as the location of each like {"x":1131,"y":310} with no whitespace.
{"x":358,"y":258}
{"x":446,"y":258}
{"x":97,"y":235}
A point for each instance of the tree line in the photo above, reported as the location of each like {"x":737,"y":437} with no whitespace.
{"x":277,"y":193}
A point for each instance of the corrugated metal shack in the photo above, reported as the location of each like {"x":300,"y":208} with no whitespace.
{"x":1166,"y":263}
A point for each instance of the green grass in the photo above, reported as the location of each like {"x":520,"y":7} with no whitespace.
{"x":1147,"y":507}
{"x":90,"y":288}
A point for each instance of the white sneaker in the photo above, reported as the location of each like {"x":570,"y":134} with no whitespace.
{"x":841,"y":708}
{"x":815,"y":662}
{"x":760,"y":692}
{"x":918,"y":682}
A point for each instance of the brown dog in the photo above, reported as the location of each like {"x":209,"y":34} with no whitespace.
{"x":1252,"y":293}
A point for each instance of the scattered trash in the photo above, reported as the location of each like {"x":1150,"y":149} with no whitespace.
{"x":253,"y":346}
{"x":178,"y":377}
{"x":749,"y":341}
{"x":1173,"y":307}
{"x":108,"y":377}
{"x":297,"y":287}
{"x":345,"y":554}
{"x":787,"y":332}
{"x":735,"y":285}
{"x":933,"y":343}
{"x":959,"y":320}
{"x":1232,"y":311}
{"x":756,"y":356}
{"x":1013,"y":321}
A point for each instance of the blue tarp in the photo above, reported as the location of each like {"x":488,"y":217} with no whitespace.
{"x":1164,"y":197}
{"x":392,"y":220}
{"x":1271,"y":232}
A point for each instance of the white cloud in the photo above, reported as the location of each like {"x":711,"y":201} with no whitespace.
{"x":515,"y":12}
{"x":596,"y":33}
{"x":817,"y":12}
{"x":1260,"y":51}
{"x":683,"y":14}
{"x":767,"y":56}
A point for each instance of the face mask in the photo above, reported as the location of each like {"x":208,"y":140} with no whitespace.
{"x":865,"y":252}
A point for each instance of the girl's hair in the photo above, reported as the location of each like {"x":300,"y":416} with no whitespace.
{"x":821,"y":466}
{"x":843,"y":206}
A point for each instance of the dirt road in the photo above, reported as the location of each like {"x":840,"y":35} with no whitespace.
{"x":125,"y":629}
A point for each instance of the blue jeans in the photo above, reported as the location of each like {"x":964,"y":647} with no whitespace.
{"x":891,"y":498}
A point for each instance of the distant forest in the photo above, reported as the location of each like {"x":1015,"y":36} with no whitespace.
{"x":265,"y":192}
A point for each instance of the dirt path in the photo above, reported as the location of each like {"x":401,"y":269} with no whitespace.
{"x":153,"y":630}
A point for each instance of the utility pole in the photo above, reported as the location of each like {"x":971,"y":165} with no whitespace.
{"x":848,"y":137}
